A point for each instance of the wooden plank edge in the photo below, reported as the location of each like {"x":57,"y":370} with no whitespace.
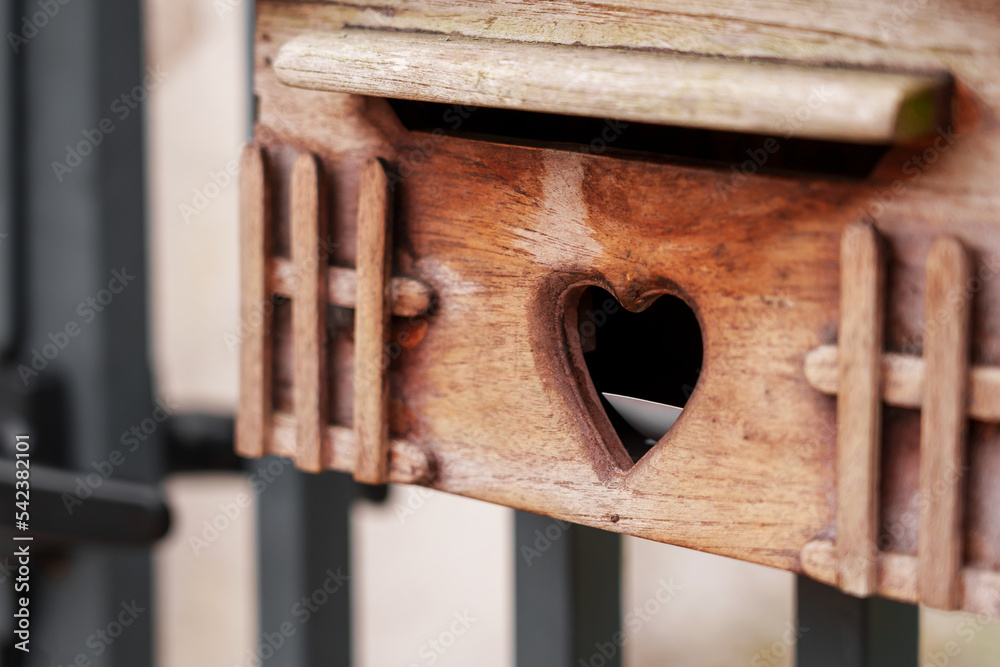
{"x":943,"y":425}
{"x":897,"y":578}
{"x":254,"y":409}
{"x":411,"y":297}
{"x":859,"y":408}
{"x":371,"y":325}
{"x":903,"y":382}
{"x":409,"y":463}
{"x":845,"y":104}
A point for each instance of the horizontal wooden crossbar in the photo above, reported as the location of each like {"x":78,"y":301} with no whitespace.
{"x":903,"y":382}
{"x":409,"y":463}
{"x":410,"y":297}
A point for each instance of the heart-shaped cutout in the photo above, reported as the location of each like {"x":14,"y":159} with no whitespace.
{"x":654,"y":356}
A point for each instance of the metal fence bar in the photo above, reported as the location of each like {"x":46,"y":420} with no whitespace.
{"x":304,"y":553}
{"x":840,"y":630}
{"x":74,"y":226}
{"x":567,"y":593}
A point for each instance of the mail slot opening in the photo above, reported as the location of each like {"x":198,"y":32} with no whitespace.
{"x":743,"y":153}
{"x":642,"y":364}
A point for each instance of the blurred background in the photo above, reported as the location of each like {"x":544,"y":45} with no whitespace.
{"x":172,"y":78}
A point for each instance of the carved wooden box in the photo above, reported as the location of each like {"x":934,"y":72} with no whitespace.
{"x":450,"y":207}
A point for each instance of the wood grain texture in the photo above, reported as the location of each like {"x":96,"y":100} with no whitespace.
{"x":501,"y":233}
{"x":843,"y":104}
{"x":409,"y":297}
{"x":254,"y":414}
{"x":859,"y":407}
{"x":371,"y":327}
{"x":903,"y":382}
{"x":943,"y":424}
{"x":309,"y":311}
{"x":897,"y":578}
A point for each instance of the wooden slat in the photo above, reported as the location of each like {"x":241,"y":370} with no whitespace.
{"x":943,"y":424}
{"x":410,"y":297}
{"x":897,"y":578}
{"x":309,"y":312}
{"x":371,"y":327}
{"x":859,"y":407}
{"x":253,"y":416}
{"x":903,"y":382}
{"x":736,"y":95}
{"x":409,"y":463}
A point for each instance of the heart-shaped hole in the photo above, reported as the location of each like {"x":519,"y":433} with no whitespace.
{"x":654,"y":355}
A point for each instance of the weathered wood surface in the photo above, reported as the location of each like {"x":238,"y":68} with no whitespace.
{"x":487,"y":385}
{"x":308,"y":225}
{"x":859,"y":407}
{"x":254,"y":417}
{"x":691,"y":91}
{"x":409,"y":463}
{"x":372,"y":327}
{"x":408,"y":297}
{"x":943,"y":425}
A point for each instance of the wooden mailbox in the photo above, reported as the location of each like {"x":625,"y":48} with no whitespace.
{"x":413,"y":290}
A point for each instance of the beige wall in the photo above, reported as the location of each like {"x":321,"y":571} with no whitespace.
{"x":197,"y":125}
